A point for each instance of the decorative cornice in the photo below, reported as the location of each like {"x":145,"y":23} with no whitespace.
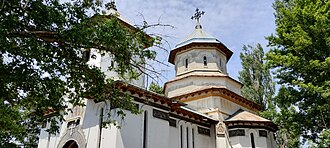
{"x":216,"y":111}
{"x":162,"y":102}
{"x":219,"y":46}
{"x":200,"y":75}
{"x":219,"y":72}
{"x":142,"y":94}
{"x":268,"y":125}
{"x":222,"y":92}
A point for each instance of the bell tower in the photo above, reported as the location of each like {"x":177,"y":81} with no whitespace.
{"x":200,"y":61}
{"x":105,"y":60}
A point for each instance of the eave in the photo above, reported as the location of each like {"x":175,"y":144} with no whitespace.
{"x":195,"y":75}
{"x":174,"y":107}
{"x":252,"y":124}
{"x":222,"y":92}
{"x":221,"y":47}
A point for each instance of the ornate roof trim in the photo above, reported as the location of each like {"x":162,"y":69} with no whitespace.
{"x":219,"y":46}
{"x":249,"y":124}
{"x":199,"y":75}
{"x":245,"y":119}
{"x":175,"y":107}
{"x":222,"y":92}
{"x":242,"y":115}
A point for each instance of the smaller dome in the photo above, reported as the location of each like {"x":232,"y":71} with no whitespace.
{"x":198,"y":36}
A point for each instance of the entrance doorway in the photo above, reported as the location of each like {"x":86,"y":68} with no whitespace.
{"x":71,"y":144}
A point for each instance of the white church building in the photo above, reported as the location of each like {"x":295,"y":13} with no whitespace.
{"x":202,"y":107}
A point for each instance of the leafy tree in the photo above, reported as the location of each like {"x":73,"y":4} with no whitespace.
{"x":324,"y":140}
{"x":300,"y":55}
{"x":255,"y":76}
{"x":154,"y":87}
{"x":41,"y":65}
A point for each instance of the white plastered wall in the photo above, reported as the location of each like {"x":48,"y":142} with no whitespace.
{"x":218,"y":103}
{"x":130,"y":134}
{"x":245,"y":141}
{"x":195,"y":58}
{"x":200,"y":140}
{"x":194,"y":83}
{"x":105,"y":61}
{"x":47,"y":140}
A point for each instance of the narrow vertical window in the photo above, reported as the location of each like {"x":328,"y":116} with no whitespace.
{"x":252,"y":141}
{"x":145,"y":129}
{"x":181,"y":136}
{"x":100,"y":126}
{"x":205,"y":61}
{"x":186,"y":63}
{"x":112,"y":64}
{"x":187,"y":134}
{"x":86,"y":55}
{"x":220,"y":64}
{"x":193,"y":137}
{"x":44,"y":124}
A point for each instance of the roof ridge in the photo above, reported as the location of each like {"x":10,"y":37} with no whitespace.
{"x":238,"y":112}
{"x":197,"y":35}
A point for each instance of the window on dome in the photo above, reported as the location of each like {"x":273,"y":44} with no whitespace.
{"x":205,"y":60}
{"x":186,"y":63}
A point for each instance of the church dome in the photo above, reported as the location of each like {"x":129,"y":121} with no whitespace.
{"x":196,"y":39}
{"x":197,"y":36}
{"x":199,"y":39}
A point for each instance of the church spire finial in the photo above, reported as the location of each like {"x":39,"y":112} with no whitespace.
{"x":198,"y":14}
{"x":111,"y":5}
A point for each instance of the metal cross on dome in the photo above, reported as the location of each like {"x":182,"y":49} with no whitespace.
{"x":198,"y":14}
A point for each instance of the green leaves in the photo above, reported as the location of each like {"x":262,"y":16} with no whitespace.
{"x":154,"y":87}
{"x":324,"y":140}
{"x":300,"y":56}
{"x":42,"y":69}
{"x":255,"y":76}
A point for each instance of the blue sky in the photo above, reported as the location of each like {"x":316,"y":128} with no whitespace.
{"x":234,"y":22}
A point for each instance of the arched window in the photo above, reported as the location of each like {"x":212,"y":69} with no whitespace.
{"x":205,"y":61}
{"x":71,"y":144}
{"x":186,"y":63}
{"x":220,"y":64}
{"x":86,"y":55}
{"x":252,"y":141}
{"x":112,"y":64}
